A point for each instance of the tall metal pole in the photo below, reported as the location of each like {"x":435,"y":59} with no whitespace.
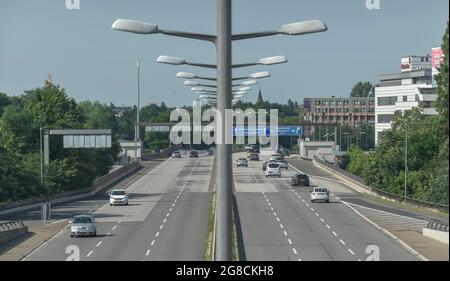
{"x":42,"y":157}
{"x":340,"y":137}
{"x":137,"y":137}
{"x":406,"y":156}
{"x":224,"y":166}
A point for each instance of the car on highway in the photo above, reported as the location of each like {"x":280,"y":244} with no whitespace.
{"x":254,"y":157}
{"x":210,"y":152}
{"x":283,"y":164}
{"x":118,"y":197}
{"x":300,"y":180}
{"x":320,"y":194}
{"x":264,"y":165}
{"x":193,"y":154}
{"x":273,"y":157}
{"x":83,"y":225}
{"x":176,"y":154}
{"x":273,"y":169}
{"x":242,"y":162}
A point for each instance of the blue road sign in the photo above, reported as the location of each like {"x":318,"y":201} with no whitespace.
{"x":254,"y":131}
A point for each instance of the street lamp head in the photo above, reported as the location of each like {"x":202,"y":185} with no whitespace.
{"x":304,"y":27}
{"x":249,"y":82}
{"x":191,"y":83}
{"x":171,"y":60}
{"x":186,"y":75}
{"x":259,"y":75}
{"x":272,"y":60}
{"x":245,"y":88}
{"x":198,"y":89}
{"x":133,"y":26}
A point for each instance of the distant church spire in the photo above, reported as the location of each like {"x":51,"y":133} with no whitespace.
{"x":260,"y":98}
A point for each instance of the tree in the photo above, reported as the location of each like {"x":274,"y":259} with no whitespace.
{"x":442,"y":86}
{"x":4,"y":101}
{"x":362,"y":89}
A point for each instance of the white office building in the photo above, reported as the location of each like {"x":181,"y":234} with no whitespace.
{"x":404,"y":91}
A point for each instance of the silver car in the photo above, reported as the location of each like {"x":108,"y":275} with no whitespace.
{"x":320,"y":194}
{"x":242,"y":162}
{"x":83,"y":225}
{"x":283,"y":164}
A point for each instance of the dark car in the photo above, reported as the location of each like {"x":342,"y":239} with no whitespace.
{"x":264,"y":165}
{"x":300,"y":180}
{"x":193,"y":154}
{"x":254,"y":157}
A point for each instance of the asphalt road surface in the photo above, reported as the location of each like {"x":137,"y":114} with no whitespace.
{"x":280,"y":223}
{"x":166,"y":219}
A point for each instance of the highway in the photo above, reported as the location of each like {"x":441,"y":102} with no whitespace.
{"x":280,"y":223}
{"x":166,"y":218}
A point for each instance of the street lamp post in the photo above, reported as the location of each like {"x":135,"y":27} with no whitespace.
{"x":137,"y":133}
{"x":406,"y":158}
{"x":224,"y":57}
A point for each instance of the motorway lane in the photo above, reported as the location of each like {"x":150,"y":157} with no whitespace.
{"x":280,"y":223}
{"x":345,"y":193}
{"x":33,"y":217}
{"x":167,"y":215}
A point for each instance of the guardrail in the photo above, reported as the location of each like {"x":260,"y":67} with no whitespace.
{"x":98,"y":185}
{"x":438,"y":226}
{"x":11,"y":225}
{"x":375,"y":191}
{"x":11,"y":230}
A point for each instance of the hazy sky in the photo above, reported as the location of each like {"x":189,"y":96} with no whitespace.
{"x":93,"y":62}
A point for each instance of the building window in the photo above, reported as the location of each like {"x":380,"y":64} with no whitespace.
{"x":339,"y":110}
{"x":371,"y":102}
{"x":383,"y":101}
{"x":317,"y":102}
{"x":429,"y":104}
{"x":346,"y":102}
{"x":405,"y":98}
{"x":346,"y":110}
{"x":325,"y":103}
{"x":356,"y":102}
{"x":332,"y":102}
{"x":363,"y":102}
{"x":385,"y":118}
{"x":331,"y":110}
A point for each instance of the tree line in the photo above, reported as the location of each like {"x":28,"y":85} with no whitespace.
{"x":424,"y":138}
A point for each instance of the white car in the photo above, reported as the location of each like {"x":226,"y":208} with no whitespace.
{"x":283,"y":164}
{"x":118,"y":197}
{"x":176,"y":154}
{"x":320,"y":194}
{"x":273,"y":169}
{"x":274,"y":157}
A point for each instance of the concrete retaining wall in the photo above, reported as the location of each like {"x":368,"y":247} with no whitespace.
{"x":437,"y":235}
{"x":12,"y":230}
